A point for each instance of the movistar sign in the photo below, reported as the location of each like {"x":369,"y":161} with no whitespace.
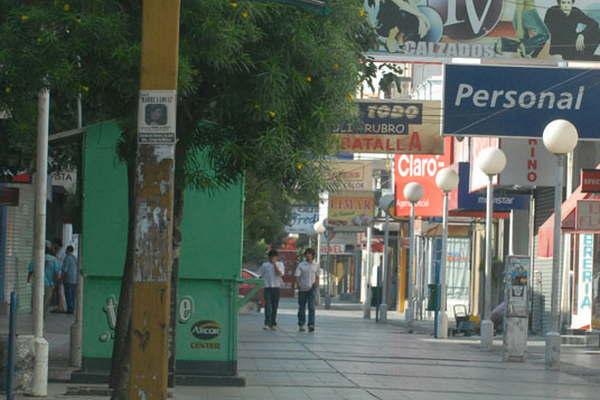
{"x":519,"y":101}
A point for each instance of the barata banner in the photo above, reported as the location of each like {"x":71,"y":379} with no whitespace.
{"x":544,"y":30}
{"x":383,"y":126}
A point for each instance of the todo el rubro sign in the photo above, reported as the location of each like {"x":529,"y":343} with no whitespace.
{"x":527,"y":29}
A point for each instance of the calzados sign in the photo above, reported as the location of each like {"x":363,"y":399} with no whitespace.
{"x":393,"y":127}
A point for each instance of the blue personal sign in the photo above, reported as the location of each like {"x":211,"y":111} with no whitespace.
{"x":476,"y":201}
{"x":519,"y":101}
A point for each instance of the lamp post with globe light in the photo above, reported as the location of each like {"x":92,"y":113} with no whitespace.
{"x":413,"y":192}
{"x":491,"y":161}
{"x":560,"y":138}
{"x":321,"y":229}
{"x":385,"y":203}
{"x":447,"y":180}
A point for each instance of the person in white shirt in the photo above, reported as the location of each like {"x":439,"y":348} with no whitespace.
{"x":307,"y":280}
{"x":272,"y":272}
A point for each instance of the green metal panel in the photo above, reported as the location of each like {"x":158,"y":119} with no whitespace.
{"x":212,"y":234}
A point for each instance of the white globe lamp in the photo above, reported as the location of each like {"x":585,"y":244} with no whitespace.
{"x":413,"y":192}
{"x":560,"y":136}
{"x":447,"y":180}
{"x":491,"y":161}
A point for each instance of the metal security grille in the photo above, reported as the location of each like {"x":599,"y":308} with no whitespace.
{"x":458,"y":271}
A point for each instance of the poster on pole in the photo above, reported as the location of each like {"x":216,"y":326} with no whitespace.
{"x":157,"y":116}
{"x":534,"y":31}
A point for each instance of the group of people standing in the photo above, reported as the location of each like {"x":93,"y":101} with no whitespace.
{"x":306,"y":280}
{"x":60,"y":277}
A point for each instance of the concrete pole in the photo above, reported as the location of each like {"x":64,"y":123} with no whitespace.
{"x":487,"y":326}
{"x":154,"y":199}
{"x":368,"y":297}
{"x":39,"y":385}
{"x":385,"y":270}
{"x":328,"y":264}
{"x":552,"y":353}
{"x":442,"y":321}
{"x":75,"y":355}
{"x":410,"y":313}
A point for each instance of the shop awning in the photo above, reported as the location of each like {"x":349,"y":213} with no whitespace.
{"x":568,"y":213}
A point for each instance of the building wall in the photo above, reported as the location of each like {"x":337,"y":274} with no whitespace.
{"x":18,"y":250}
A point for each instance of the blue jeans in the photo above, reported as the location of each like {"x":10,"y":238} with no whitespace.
{"x":532,"y":44}
{"x":271,"y":305}
{"x":304,"y":298}
{"x":70,"y":293}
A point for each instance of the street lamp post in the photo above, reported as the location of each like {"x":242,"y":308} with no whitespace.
{"x":447,"y":181}
{"x":413,"y":192}
{"x":385,"y":203}
{"x":491,"y":161}
{"x":320,"y":228}
{"x":560,"y":138}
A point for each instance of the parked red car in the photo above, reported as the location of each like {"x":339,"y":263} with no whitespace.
{"x":245,"y":288}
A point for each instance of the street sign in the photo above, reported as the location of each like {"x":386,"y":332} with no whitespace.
{"x":590,"y":180}
{"x":519,"y":101}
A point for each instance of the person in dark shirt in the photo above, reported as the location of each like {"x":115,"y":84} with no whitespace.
{"x":573,"y":34}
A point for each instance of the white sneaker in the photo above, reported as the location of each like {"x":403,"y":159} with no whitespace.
{"x":265,"y":328}
{"x":273,"y":328}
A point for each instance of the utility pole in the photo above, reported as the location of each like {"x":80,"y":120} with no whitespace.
{"x":39,"y":385}
{"x":154,"y":188}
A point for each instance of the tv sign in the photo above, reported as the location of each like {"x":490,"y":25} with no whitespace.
{"x":519,"y":101}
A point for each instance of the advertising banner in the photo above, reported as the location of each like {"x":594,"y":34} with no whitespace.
{"x":519,"y":101}
{"x":303,"y":219}
{"x":421,"y":169}
{"x":590,"y":181}
{"x":582,"y":299}
{"x":463,"y":199}
{"x":410,"y":127}
{"x":352,"y":175}
{"x":587,"y":216}
{"x":351,"y":209}
{"x":532,"y":30}
{"x":529,"y":164}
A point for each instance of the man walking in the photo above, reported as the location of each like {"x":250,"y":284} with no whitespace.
{"x":307,"y":280}
{"x":272,"y":272}
{"x":70,"y":275}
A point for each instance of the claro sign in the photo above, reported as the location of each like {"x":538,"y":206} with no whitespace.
{"x":421,"y":169}
{"x":519,"y":101}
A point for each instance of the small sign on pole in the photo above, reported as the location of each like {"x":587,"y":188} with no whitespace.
{"x":590,"y":180}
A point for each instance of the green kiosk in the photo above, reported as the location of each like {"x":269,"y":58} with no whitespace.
{"x":210,"y":266}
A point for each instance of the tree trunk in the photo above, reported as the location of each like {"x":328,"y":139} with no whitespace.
{"x":121,"y":360}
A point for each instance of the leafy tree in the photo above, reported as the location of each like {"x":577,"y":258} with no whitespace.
{"x":261,"y":84}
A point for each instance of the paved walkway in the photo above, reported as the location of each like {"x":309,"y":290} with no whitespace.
{"x":354,"y":359}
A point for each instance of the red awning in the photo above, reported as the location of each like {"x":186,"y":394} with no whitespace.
{"x":568,"y":212}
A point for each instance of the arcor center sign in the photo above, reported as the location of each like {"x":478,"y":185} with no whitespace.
{"x":535,"y":30}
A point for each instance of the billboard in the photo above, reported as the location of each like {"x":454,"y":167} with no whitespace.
{"x":519,"y":101}
{"x":421,"y":169}
{"x":303,"y":219}
{"x":350,"y":209}
{"x":532,"y":30}
{"x":384,"y":126}
{"x":352,"y":175}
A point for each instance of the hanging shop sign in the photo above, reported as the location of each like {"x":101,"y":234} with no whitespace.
{"x":463,"y":199}
{"x":421,"y":169}
{"x":590,"y":181}
{"x":392,"y":127}
{"x":66,"y":179}
{"x":587,"y":216}
{"x":303,"y":220}
{"x":352,"y":175}
{"x":519,"y":101}
{"x":529,"y":164}
{"x":582,"y":304}
{"x":351,"y":209}
{"x":535,"y":31}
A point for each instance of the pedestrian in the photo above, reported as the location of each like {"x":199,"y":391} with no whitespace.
{"x":70,"y":275}
{"x":573,"y":34}
{"x":272,"y":272}
{"x":51,"y":275}
{"x":60,"y":253}
{"x":307,"y":281}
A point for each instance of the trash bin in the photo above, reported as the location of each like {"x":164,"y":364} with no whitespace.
{"x":375,"y":296}
{"x":433,"y":301}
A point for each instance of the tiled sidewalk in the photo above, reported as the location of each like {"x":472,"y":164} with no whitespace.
{"x":355,"y":359}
